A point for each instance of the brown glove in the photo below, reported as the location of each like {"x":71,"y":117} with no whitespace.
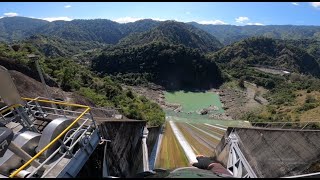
{"x":203,"y":162}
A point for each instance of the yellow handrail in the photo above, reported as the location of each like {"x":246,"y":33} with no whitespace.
{"x":56,"y":102}
{"x":57,"y":138}
{"x":10,"y":107}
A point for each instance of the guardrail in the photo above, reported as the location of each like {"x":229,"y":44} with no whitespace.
{"x":311,"y":175}
{"x":42,"y":108}
{"x":306,"y":125}
{"x":6,"y":111}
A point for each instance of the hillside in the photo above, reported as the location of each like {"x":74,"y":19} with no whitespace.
{"x":107,"y":31}
{"x":267,"y":52}
{"x":73,"y":78}
{"x":172,"y":32}
{"x":57,"y":47}
{"x":228,"y":34}
{"x":173,"y":66}
{"x":17,"y":28}
{"x":101,"y":30}
{"x":312,"y":46}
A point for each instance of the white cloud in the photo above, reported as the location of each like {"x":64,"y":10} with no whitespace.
{"x":315,"y":4}
{"x":1,"y":17}
{"x":133,"y":19}
{"x":214,"y":22}
{"x":127,"y":19}
{"x":296,"y":4}
{"x":241,"y":19}
{"x":67,"y":6}
{"x":159,"y":19}
{"x":257,"y":24}
{"x":50,"y":19}
{"x":10,"y":14}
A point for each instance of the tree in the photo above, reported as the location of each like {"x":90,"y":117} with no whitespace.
{"x":241,"y":82}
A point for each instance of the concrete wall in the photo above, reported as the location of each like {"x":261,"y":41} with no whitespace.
{"x":275,"y":152}
{"x":152,"y":138}
{"x":152,"y":142}
{"x":124,"y":155}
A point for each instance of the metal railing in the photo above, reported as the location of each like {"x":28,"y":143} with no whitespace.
{"x":6,"y":111}
{"x":306,"y":125}
{"x":41,"y":108}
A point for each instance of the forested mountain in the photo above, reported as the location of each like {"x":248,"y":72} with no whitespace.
{"x":268,"y":52}
{"x":173,"y":32}
{"x":57,"y":47}
{"x":312,"y":46}
{"x":107,"y":31}
{"x":172,"y":66}
{"x":172,"y":54}
{"x":228,"y":34}
{"x":17,"y":28}
{"x":101,"y":30}
{"x":138,"y":26}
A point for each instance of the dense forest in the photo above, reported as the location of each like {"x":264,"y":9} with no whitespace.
{"x":100,"y":30}
{"x":53,"y":47}
{"x":172,"y":66}
{"x":106,"y":31}
{"x":267,"y":52}
{"x":176,"y":33}
{"x":228,"y":34}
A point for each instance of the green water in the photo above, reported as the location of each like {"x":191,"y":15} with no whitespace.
{"x":193,"y":101}
{"x":201,"y":120}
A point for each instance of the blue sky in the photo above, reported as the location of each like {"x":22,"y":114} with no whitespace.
{"x":235,"y":13}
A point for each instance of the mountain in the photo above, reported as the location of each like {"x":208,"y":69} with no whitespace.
{"x":101,"y":30}
{"x":172,"y":66}
{"x":228,"y":34}
{"x":268,"y":52}
{"x":110,"y":32}
{"x":58,"y":47}
{"x":17,"y":28}
{"x":312,"y":46}
{"x":138,"y":26}
{"x":173,"y":32}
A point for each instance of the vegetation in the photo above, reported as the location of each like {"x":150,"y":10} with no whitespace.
{"x":53,"y":47}
{"x":102,"y":91}
{"x":172,"y":66}
{"x":174,"y":33}
{"x":268,"y":53}
{"x":289,"y":100}
{"x":228,"y":34}
{"x":93,"y":57}
{"x":106,"y":31}
{"x":100,"y":30}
